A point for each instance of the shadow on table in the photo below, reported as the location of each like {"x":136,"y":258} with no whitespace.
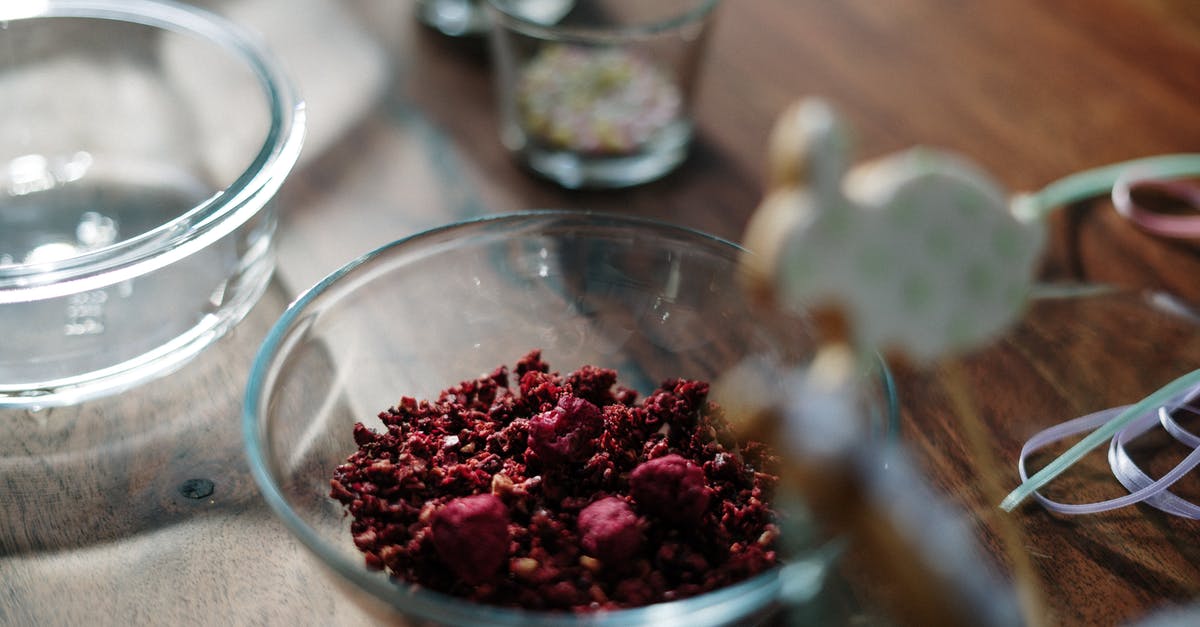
{"x":166,"y":451}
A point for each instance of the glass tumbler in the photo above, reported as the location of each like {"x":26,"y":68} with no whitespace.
{"x":598,"y":93}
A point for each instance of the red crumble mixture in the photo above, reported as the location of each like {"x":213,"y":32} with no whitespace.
{"x":567,"y":493}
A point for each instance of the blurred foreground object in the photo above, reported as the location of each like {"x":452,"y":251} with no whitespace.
{"x":919,"y":250}
{"x":918,"y":254}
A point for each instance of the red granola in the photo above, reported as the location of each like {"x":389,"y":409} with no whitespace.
{"x":565,"y":494}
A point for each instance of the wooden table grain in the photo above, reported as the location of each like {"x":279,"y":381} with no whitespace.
{"x":102,"y":520}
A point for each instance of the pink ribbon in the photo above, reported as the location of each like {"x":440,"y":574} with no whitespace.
{"x":1158,"y":223}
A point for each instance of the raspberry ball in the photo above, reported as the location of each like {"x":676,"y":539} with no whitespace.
{"x":671,"y":488}
{"x":565,"y":433}
{"x":470,"y":534}
{"x":609,"y":530}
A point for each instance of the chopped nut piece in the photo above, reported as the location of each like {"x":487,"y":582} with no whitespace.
{"x":768,"y":536}
{"x":525,"y":567}
{"x":501,"y":484}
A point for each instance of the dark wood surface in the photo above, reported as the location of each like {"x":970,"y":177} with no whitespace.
{"x":100,"y":524}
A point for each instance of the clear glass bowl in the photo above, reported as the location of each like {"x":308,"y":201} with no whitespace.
{"x":651,"y":300}
{"x":136,"y":220}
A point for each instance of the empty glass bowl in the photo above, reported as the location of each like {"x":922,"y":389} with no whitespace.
{"x":136,"y":219}
{"x":650,"y":300}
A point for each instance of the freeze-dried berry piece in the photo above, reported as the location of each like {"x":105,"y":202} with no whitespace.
{"x":594,"y":384}
{"x":531,"y":362}
{"x":581,"y":413}
{"x":564,"y":433}
{"x":609,"y":530}
{"x":671,"y":488}
{"x":470,"y":534}
{"x":540,"y":390}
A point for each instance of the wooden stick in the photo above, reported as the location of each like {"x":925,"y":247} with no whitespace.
{"x":1029,"y":591}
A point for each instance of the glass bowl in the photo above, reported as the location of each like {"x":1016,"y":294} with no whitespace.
{"x":652,"y":301}
{"x":136,"y":220}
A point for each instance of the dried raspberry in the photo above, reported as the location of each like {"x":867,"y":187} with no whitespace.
{"x":565,"y":433}
{"x":471,"y":536}
{"x":594,"y":384}
{"x":671,"y":488}
{"x":531,"y":362}
{"x":363,"y":435}
{"x":540,"y":389}
{"x":608,"y":530}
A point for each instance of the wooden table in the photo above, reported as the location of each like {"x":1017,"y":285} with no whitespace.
{"x":103,"y":521}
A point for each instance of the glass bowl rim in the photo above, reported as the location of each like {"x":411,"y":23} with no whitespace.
{"x":717,"y":606}
{"x":213,"y":218}
{"x":501,"y":14}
